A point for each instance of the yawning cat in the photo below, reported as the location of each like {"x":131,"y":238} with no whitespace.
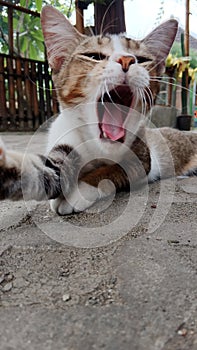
{"x":105,"y":85}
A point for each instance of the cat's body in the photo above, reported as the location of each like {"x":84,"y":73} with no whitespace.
{"x":105,"y":87}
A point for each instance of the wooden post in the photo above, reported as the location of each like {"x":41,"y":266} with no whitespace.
{"x":109,"y":17}
{"x":3,"y":108}
{"x":186,"y":43}
{"x":187,"y":29}
{"x":10,"y":31}
{"x":79,"y":18}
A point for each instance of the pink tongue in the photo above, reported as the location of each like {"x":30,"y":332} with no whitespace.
{"x":112,"y":123}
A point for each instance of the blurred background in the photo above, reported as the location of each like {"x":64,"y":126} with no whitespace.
{"x":27,"y":94}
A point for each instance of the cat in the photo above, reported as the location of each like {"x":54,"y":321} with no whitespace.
{"x":105,"y":86}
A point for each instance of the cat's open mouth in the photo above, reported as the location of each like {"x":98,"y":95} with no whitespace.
{"x":113,"y":109}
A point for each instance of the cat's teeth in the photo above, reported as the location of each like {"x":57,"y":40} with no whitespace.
{"x":104,"y":135}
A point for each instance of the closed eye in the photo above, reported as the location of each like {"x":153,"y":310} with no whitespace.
{"x":97,"y":56}
{"x":142,"y":59}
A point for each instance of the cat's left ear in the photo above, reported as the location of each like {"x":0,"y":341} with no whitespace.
{"x":60,"y":36}
{"x":160,"y":40}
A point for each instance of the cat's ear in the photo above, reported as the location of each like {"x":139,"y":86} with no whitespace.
{"x":160,"y":40}
{"x":60,"y":36}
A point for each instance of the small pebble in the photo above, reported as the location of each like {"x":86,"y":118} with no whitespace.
{"x":64,"y":273}
{"x":182,"y":332}
{"x":9,"y":277}
{"x":66,"y":297}
{"x":7,"y":287}
{"x":173,"y":241}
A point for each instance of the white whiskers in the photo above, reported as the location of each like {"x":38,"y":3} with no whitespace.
{"x":157,"y":79}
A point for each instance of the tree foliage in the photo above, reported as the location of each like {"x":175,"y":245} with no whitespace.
{"x":28,"y":38}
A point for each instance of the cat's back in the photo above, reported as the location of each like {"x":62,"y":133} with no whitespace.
{"x":175,"y":139}
{"x":171,"y":151}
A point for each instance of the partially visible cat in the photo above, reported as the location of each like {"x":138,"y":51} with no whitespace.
{"x":105,"y":86}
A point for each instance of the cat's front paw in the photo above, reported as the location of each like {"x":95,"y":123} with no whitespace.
{"x":79,"y":200}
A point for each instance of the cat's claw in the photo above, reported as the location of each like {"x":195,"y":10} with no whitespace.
{"x":79,"y":200}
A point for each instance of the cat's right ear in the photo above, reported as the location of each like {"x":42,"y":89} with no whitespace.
{"x":60,"y":36}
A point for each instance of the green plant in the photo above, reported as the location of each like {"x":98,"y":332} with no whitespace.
{"x":176,"y":67}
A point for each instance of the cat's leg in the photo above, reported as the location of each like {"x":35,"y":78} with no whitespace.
{"x":98,"y":184}
{"x":92,"y":187}
{"x":35,"y":176}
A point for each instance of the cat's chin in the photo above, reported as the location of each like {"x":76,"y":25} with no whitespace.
{"x":113,"y":108}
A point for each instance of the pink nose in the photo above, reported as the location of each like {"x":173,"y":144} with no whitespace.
{"x":125,"y":62}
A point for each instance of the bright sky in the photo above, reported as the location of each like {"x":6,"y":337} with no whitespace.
{"x":141,"y":16}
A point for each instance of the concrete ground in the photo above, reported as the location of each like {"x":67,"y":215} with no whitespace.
{"x":123,"y":278}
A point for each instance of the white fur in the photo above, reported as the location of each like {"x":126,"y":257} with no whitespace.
{"x":162,"y":164}
{"x":155,"y":172}
{"x":83,"y":197}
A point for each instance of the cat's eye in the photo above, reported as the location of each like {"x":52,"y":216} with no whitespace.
{"x":97,"y":56}
{"x":142,"y":59}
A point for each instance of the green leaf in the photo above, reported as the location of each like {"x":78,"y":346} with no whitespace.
{"x":23,"y":3}
{"x":33,"y":53}
{"x":27,"y":19}
{"x":15,"y":23}
{"x":24,"y":44}
{"x":37,"y":34}
{"x":38,"y":5}
{"x":40,"y":46}
{"x":36,"y":22}
{"x":3,"y":20}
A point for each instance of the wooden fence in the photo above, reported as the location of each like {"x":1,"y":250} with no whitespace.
{"x":27,"y":97}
